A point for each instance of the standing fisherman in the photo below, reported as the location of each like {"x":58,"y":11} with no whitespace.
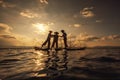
{"x":48,"y":40}
{"x":64,"y":35}
{"x":55,"y":39}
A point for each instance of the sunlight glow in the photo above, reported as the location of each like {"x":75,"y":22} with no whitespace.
{"x":41,"y":27}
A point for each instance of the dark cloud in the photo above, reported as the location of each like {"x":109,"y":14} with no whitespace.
{"x":7,"y":36}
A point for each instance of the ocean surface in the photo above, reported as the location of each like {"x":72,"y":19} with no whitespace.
{"x":89,"y":64}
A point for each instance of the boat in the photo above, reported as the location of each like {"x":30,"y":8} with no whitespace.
{"x":58,"y":49}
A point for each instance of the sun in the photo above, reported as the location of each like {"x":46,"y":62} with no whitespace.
{"x":41,"y":27}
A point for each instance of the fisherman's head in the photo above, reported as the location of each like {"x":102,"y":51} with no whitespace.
{"x":62,"y":31}
{"x":50,"y":31}
{"x":56,"y":33}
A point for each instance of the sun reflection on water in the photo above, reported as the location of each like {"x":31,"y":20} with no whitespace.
{"x":39,"y":60}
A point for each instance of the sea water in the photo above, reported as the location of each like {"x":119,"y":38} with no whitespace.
{"x":89,"y":64}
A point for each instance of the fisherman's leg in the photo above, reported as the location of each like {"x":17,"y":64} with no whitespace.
{"x":65,"y":44}
{"x":56,"y":44}
{"x":44,"y":43}
{"x":53,"y":44}
{"x":48,"y":44}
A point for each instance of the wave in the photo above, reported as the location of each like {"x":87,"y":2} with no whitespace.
{"x":100,"y":59}
{"x":9,"y":60}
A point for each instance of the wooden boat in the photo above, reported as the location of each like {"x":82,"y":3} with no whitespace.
{"x":69,"y":49}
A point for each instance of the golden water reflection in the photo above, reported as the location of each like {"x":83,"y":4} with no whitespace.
{"x":50,"y":63}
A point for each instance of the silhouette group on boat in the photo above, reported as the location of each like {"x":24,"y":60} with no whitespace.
{"x":55,"y":37}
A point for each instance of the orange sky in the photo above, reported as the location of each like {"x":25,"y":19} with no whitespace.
{"x":27,"y":22}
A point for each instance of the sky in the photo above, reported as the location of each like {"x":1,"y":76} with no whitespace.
{"x":27,"y":22}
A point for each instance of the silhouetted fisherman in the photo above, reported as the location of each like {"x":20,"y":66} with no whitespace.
{"x":64,"y":35}
{"x":48,"y":40}
{"x":55,"y":40}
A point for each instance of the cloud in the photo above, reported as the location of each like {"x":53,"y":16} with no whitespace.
{"x":7,"y":36}
{"x":8,"y":42}
{"x":14,"y":40}
{"x":87,"y":12}
{"x":44,"y":1}
{"x":111,"y":37}
{"x":77,"y":25}
{"x":114,"y":37}
{"x":4,"y":28}
{"x":70,"y":36}
{"x":87,"y":37}
{"x":28,"y":14}
{"x":81,"y":39}
{"x":90,"y":40}
{"x":6,"y":4}
{"x":98,"y":21}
